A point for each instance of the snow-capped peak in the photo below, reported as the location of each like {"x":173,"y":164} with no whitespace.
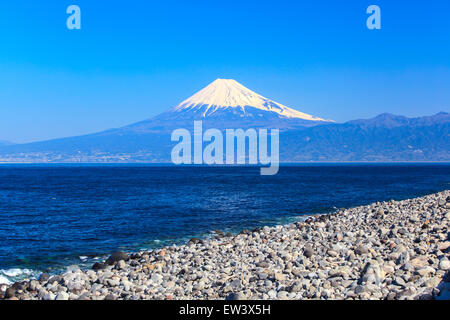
{"x":228,"y":93}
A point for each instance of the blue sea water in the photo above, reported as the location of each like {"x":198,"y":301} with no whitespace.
{"x":53,"y":216}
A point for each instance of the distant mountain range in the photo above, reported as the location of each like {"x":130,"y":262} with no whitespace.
{"x":384,"y":138}
{"x":227,"y":104}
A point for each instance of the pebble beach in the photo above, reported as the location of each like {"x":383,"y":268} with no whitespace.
{"x":393,"y":250}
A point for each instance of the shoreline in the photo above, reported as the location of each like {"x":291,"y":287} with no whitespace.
{"x":385,"y":250}
{"x":85,"y":262}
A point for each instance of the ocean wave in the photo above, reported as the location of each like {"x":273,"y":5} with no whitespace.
{"x":4,"y":280}
{"x":10,"y":276}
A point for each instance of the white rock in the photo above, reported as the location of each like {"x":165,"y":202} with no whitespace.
{"x":157,"y":278}
{"x":272,"y":294}
{"x":49,"y":296}
{"x":62,"y":296}
{"x":444,"y":264}
{"x":426,"y":271}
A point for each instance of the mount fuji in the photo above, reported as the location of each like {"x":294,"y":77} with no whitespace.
{"x":226,"y":96}
{"x":227,"y":104}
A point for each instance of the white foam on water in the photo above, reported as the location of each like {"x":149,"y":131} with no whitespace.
{"x":72,"y":268}
{"x":10,"y":276}
{"x":12,"y":272}
{"x":4,"y":280}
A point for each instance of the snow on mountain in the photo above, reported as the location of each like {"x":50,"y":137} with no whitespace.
{"x":229,"y":95}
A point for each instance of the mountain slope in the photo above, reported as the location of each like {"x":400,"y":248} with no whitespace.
{"x":410,"y":139}
{"x":391,"y":121}
{"x":222,"y":104}
{"x":227,"y":95}
{"x":225,"y":103}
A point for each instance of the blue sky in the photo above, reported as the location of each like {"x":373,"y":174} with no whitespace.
{"x":134,"y":59}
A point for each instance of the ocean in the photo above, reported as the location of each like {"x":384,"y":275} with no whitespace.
{"x":55,"y":216}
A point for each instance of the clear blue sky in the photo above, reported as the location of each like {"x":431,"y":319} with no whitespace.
{"x":134,"y":59}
